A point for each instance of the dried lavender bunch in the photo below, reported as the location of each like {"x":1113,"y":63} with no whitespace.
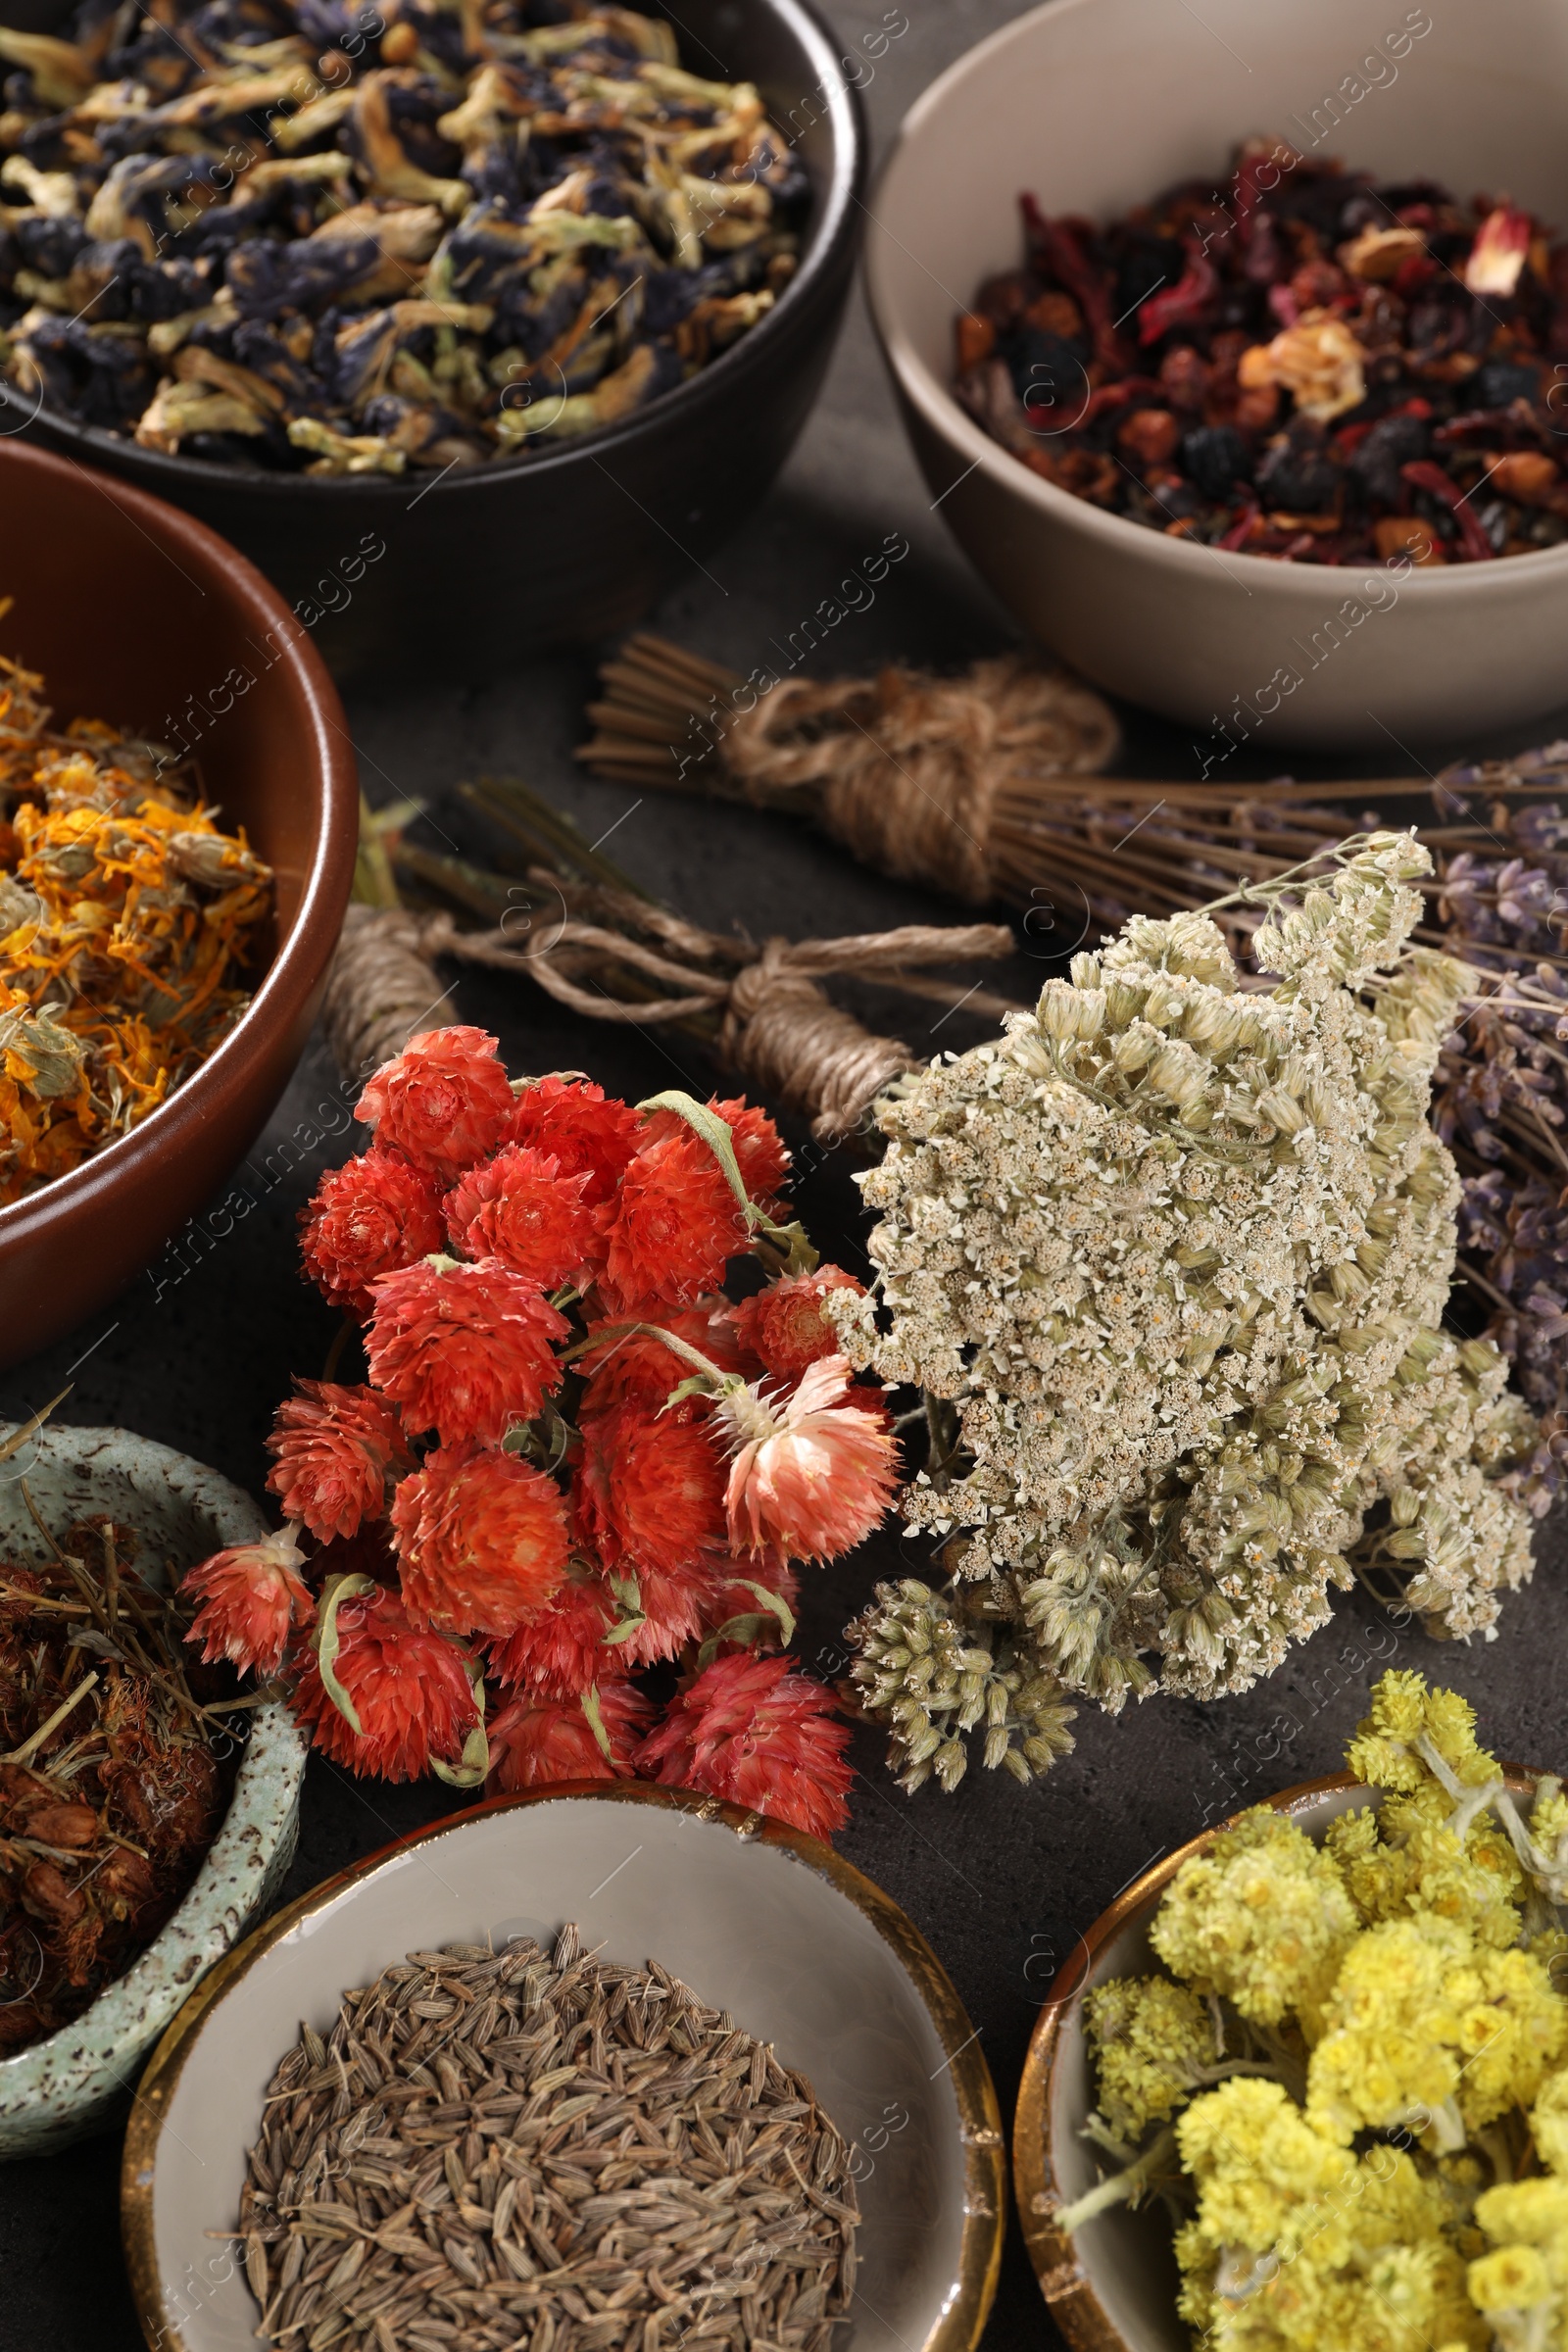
{"x":1178,"y":1254}
{"x":1501,"y":1096}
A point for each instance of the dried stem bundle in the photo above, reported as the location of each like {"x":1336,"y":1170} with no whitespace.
{"x":969,"y":802}
{"x":974,"y":785}
{"x":595,"y":942}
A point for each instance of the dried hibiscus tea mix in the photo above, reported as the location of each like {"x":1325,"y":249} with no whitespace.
{"x":335,"y":238}
{"x":1300,"y":364}
{"x":574,"y":1457}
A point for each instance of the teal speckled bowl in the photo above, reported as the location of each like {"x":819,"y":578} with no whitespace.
{"x":80,"y":2079}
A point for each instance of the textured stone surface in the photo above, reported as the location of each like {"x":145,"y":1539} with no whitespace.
{"x":199,"y":1352}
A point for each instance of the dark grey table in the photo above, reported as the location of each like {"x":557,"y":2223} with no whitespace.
{"x":200,"y":1349}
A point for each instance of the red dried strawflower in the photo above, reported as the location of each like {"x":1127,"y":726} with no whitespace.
{"x":336,"y":1449}
{"x":445,"y":1101}
{"x":251,"y":1596}
{"x":557,"y":1650}
{"x":638,"y":1365}
{"x":407,"y":1685}
{"x":731,"y":1595}
{"x":751,"y":1731}
{"x":674,"y":1604}
{"x":649,"y":1488}
{"x":539,"y":1742}
{"x":814,"y":1470}
{"x":677,"y":1225}
{"x":368,"y":1218}
{"x":760,"y":1150}
{"x":465,"y":1350}
{"x":482,"y":1540}
{"x":588,"y":1136}
{"x":518,"y":1208}
{"x":784,"y":1324}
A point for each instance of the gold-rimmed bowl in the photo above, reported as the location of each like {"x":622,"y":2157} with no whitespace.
{"x":1112,"y":2285}
{"x":798,"y":1945}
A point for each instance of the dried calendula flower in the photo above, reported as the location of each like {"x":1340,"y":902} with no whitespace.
{"x":123,"y":915}
{"x":1175,"y":1255}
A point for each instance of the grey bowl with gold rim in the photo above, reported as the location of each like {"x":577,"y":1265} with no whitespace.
{"x":80,"y":2079}
{"x":1112,"y":2285}
{"x":802,"y":1949}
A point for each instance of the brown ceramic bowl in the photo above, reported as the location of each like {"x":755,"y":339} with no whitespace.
{"x":136,"y":615}
{"x":1112,"y":2285}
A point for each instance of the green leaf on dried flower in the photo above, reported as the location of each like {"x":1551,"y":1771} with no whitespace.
{"x":469,"y":1771}
{"x":596,"y":1721}
{"x":334,"y":1593}
{"x":750,"y":1628}
{"x":629,"y":1600}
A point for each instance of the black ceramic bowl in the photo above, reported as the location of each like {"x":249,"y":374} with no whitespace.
{"x":486,"y":565}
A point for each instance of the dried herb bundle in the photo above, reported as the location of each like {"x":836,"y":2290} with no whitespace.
{"x":989,"y":787}
{"x":541,"y":2149}
{"x":978,"y":786}
{"x":125,"y":917}
{"x":1175,"y":1257}
{"x":594,"y":941}
{"x":110,"y":1790}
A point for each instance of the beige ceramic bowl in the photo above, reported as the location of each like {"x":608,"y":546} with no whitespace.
{"x":1112,"y":2285}
{"x":802,"y":1949}
{"x":1098,"y":105}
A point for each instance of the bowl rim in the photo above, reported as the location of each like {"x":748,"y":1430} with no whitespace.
{"x":928,"y":394}
{"x":235,"y":1517}
{"x":985,"y":2197}
{"x":303,"y":955}
{"x":829,"y":238}
{"x":1064,"y":2283}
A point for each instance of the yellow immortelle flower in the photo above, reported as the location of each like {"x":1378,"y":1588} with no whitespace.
{"x":1299,"y":2246}
{"x":1523,"y":2286}
{"x":1154,"y":2046}
{"x":1548,"y":2123}
{"x":1262,"y":1918}
{"x":1427,"y":2028}
{"x":1386,"y":1752}
{"x":1407,"y":1955}
{"x":1402,"y":1858}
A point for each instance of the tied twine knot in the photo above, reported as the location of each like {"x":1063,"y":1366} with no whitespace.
{"x":775,"y":1025}
{"x":904,"y":770}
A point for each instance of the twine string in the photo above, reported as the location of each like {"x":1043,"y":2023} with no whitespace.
{"x":904,"y":770}
{"x":777,"y":1027}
